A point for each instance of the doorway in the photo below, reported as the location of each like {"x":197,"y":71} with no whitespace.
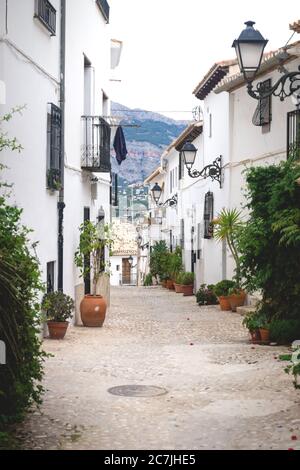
{"x":126,"y":271}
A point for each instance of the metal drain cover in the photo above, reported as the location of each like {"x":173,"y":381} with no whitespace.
{"x":137,"y":391}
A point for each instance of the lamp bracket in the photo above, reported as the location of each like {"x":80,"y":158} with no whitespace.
{"x":172,"y":201}
{"x":287,"y":85}
{"x":213,"y":171}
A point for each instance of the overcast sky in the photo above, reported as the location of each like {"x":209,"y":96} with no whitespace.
{"x":170,"y":44}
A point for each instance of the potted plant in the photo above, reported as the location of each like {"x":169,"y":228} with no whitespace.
{"x":206,"y":295}
{"x":221,"y":289}
{"x":90,"y":259}
{"x":228,"y":226}
{"x":252,"y":323}
{"x":187,"y":285}
{"x":58,"y":308}
{"x":174,"y":265}
{"x":264,"y":329}
{"x":178,"y":283}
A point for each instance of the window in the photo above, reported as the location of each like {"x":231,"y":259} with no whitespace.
{"x":54,"y":156}
{"x":104,"y":8}
{"x":114,"y":190}
{"x":199,"y":236}
{"x":117,"y":267}
{"x":50,"y":276}
{"x":293,"y":134}
{"x":46,"y":13}
{"x":262,"y":115}
{"x":96,"y":144}
{"x":208,"y":215}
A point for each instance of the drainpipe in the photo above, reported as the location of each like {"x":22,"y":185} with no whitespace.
{"x":61,"y":204}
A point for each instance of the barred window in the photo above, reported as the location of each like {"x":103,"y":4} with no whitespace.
{"x":46,"y":13}
{"x":54,"y":165}
{"x":263,"y":115}
{"x":208,"y":215}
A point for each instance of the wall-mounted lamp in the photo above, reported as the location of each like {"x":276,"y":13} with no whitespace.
{"x":249,"y":49}
{"x":156,"y":194}
{"x":213,"y":171}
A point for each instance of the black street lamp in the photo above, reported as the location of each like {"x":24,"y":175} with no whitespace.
{"x":249,"y":49}
{"x":213,"y":171}
{"x":156,"y":194}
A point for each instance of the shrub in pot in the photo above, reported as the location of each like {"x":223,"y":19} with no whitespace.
{"x":206,"y":295}
{"x":58,"y":308}
{"x":92,"y":244}
{"x":236,"y":297}
{"x":221,"y":290}
{"x":187,"y":285}
{"x":252,"y":323}
{"x":178,"y":283}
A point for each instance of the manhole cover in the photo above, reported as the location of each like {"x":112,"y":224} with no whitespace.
{"x":137,"y":391}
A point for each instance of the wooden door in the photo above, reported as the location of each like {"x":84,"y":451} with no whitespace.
{"x":126,"y":271}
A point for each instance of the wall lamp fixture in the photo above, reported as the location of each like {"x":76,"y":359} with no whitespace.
{"x":213,"y":171}
{"x":249,"y":48}
{"x":156,"y":194}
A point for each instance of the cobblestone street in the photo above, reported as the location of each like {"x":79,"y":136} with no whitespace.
{"x":222,"y":392}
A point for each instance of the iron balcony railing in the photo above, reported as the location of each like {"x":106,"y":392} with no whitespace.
{"x":293,"y":134}
{"x":46,"y":13}
{"x":104,"y":7}
{"x":95,"y":151}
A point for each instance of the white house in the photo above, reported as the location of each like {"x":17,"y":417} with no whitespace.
{"x":124,"y":257}
{"x":55,"y":58}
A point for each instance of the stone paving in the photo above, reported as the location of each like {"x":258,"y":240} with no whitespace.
{"x":222,"y":392}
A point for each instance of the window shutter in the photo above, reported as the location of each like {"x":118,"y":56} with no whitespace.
{"x":55,"y":138}
{"x":105,"y":164}
{"x":208,"y":215}
{"x":262,"y":114}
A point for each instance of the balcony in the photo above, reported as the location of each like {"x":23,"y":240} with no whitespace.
{"x":46,"y":13}
{"x":104,"y":7}
{"x":95,"y":149}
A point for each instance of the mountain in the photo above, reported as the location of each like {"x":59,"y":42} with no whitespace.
{"x":151,"y":134}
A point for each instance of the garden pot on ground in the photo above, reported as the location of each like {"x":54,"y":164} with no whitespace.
{"x":254,"y":336}
{"x":170,"y":284}
{"x":178,"y":288}
{"x":237,"y":300}
{"x":93,"y":310}
{"x":164,"y":284}
{"x":264,"y":334}
{"x":187,"y":290}
{"x":57,"y":329}
{"x":224,"y":303}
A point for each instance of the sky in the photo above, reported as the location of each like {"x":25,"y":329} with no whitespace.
{"x":169,"y":45}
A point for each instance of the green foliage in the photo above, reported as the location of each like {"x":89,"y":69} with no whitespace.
{"x":187,"y":278}
{"x":178,"y":278}
{"x":222,"y":288}
{"x":19,"y":317}
{"x":206,"y":296}
{"x":228,"y":226}
{"x":92,"y":244}
{"x":251,"y":321}
{"x":159,"y":260}
{"x":284,"y":331}
{"x":20,"y":289}
{"x":270,"y":242}
{"x":174,"y":263}
{"x":57,"y":306}
{"x":148,"y":280}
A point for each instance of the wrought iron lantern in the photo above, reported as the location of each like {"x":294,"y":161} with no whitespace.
{"x":249,"y":49}
{"x":156,"y":194}
{"x":213,"y":171}
{"x":130,"y":260}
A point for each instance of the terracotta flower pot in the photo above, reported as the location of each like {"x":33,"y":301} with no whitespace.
{"x":178,"y":288}
{"x":93,"y":310}
{"x":237,"y":300}
{"x":224,"y":303}
{"x":164,"y":284}
{"x":57,"y":329}
{"x":254,"y":336}
{"x":187,"y":290}
{"x":170,"y":284}
{"x":264,"y":334}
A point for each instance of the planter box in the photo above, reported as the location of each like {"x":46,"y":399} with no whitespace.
{"x":178,"y":288}
{"x":187,"y":290}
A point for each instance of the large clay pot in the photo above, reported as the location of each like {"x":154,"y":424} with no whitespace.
{"x":164,"y":284}
{"x":57,"y":330}
{"x":187,"y":290}
{"x":224,"y":303}
{"x":178,"y":288}
{"x":93,"y":310}
{"x":237,"y":300}
{"x":264,"y":334}
{"x":170,"y":284}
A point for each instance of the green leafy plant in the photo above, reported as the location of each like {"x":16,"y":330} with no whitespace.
{"x":57,"y":306}
{"x":54,"y":179}
{"x":159,"y":261}
{"x":222,"y":288}
{"x":206,"y":295}
{"x":228,"y":226}
{"x":92,"y":244}
{"x":284,"y":331}
{"x":251,"y":321}
{"x":178,"y":278}
{"x":174,"y":263}
{"x":148,"y":280}
{"x":187,"y":278}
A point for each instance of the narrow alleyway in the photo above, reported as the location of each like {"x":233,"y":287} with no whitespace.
{"x":221,"y":391}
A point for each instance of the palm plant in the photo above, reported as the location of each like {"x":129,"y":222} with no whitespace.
{"x":228,"y":226}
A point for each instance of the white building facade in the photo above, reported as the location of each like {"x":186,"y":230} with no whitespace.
{"x":55,"y":58}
